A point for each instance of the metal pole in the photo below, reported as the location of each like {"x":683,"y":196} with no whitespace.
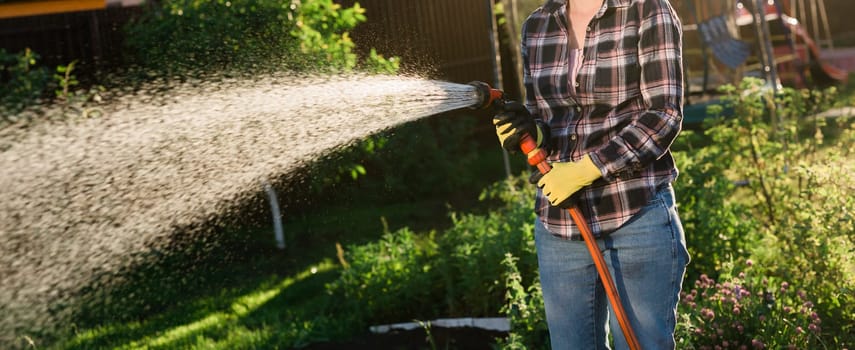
{"x":764,"y":39}
{"x":824,"y":18}
{"x":278,"y":232}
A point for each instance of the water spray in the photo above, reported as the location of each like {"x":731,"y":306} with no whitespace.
{"x":488,"y":97}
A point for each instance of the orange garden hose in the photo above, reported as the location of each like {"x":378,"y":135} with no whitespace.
{"x":537,"y":158}
{"x":487,"y":96}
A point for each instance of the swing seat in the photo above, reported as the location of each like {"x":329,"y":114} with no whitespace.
{"x":725,"y":48}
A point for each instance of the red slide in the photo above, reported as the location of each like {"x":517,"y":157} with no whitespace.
{"x":822,"y":73}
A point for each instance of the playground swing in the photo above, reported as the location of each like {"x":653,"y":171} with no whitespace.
{"x":821,"y":30}
{"x":798,"y":55}
{"x":717,"y":37}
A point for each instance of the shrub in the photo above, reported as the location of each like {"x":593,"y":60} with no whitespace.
{"x":178,"y":36}
{"x":388,"y":280}
{"x":474,"y":247}
{"x":21,"y":82}
{"x":797,"y":189}
{"x":458,"y":273}
{"x":747,"y":311}
{"x":525,"y":311}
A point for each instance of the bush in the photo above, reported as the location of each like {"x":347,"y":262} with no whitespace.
{"x":386,"y":280}
{"x":525,"y":311}
{"x":458,"y":273}
{"x":21,"y":82}
{"x":747,"y":310}
{"x":178,"y":36}
{"x":798,"y":190}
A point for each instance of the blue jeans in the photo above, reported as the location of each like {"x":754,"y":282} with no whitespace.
{"x":647,"y":258}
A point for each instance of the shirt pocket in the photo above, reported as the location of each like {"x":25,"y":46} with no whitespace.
{"x":617,"y":72}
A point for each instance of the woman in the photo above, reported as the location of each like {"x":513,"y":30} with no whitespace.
{"x":604,"y":86}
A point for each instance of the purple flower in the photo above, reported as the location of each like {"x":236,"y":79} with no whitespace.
{"x":788,"y":309}
{"x":813,"y":328}
{"x":762,"y":318}
{"x":757,"y":344}
{"x":749,"y":262}
{"x":784,"y":286}
{"x":736,"y":310}
{"x":808,"y":304}
{"x":799,"y":330}
{"x":802,"y":295}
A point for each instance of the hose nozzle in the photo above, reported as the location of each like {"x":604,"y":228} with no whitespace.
{"x":486,"y":95}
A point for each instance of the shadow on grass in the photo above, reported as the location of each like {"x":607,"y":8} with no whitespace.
{"x":242,"y":317}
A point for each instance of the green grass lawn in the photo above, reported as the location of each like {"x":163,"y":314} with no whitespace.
{"x":256,"y":296}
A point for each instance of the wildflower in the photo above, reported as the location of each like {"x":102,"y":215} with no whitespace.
{"x":749,"y":262}
{"x":757,"y":344}
{"x":788,"y":309}
{"x":736,"y":310}
{"x":814,"y":316}
{"x":784,"y":286}
{"x":740,"y":329}
{"x":813,"y":328}
{"x":808,"y":304}
{"x":799,"y":330}
{"x":802,"y":295}
{"x":762,"y":318}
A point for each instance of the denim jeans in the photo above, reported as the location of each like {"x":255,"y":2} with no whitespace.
{"x":647,"y":258}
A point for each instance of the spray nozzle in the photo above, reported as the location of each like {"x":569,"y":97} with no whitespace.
{"x":486,"y":95}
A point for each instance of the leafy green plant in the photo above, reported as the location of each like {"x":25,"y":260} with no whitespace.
{"x":179,"y":36}
{"x":747,"y":310}
{"x":457,"y":273}
{"x":21,"y":81}
{"x":66,"y":80}
{"x":719,"y":228}
{"x":795,"y":195}
{"x":525,"y":311}
{"x":474,"y":247}
{"x":383,"y":279}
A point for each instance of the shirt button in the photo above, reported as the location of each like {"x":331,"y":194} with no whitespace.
{"x":578,"y":109}
{"x":576,"y":84}
{"x":573,"y":137}
{"x":589,"y":28}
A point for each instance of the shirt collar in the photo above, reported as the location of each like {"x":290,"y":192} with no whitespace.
{"x":553,"y":5}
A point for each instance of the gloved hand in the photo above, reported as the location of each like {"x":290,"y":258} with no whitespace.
{"x":512,"y":121}
{"x":565,"y":179}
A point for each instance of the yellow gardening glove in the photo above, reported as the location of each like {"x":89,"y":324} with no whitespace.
{"x":512,"y":121}
{"x":565,"y":179}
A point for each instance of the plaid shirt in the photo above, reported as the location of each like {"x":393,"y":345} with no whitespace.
{"x":625,"y":109}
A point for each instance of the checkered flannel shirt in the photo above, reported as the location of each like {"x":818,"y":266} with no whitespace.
{"x":625,"y":109}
